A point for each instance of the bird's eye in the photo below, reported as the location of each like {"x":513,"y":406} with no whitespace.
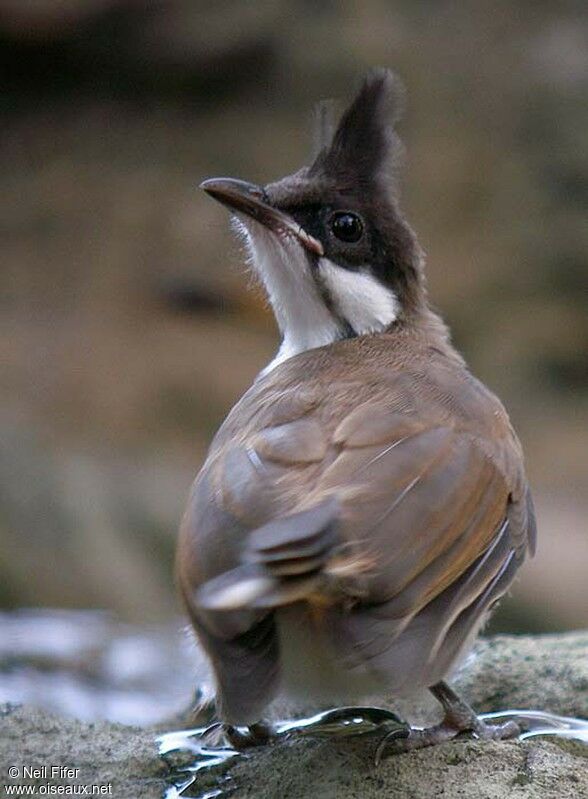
{"x":347,"y":226}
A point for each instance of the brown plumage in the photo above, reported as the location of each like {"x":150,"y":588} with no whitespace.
{"x":364,"y":504}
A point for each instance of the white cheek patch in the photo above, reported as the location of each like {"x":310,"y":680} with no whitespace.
{"x":359,"y":297}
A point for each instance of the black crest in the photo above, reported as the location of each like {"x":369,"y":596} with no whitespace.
{"x":365,"y":148}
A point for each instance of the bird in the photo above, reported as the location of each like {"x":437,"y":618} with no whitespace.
{"x":364,"y":505}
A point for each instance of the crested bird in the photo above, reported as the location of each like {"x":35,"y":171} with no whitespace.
{"x":364,"y":505}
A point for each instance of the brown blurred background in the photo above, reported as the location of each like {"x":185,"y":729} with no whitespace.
{"x":128,"y":329}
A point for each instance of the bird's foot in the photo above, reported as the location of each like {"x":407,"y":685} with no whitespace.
{"x":399,"y":741}
{"x":337,"y":723}
{"x":459,"y":721}
{"x":239,"y":738}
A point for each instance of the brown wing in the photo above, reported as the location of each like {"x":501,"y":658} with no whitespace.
{"x":433,"y":517}
{"x":438,"y":532}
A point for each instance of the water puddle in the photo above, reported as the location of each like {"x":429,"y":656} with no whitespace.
{"x":209,"y":761}
{"x":206,"y":759}
{"x":537,"y":722}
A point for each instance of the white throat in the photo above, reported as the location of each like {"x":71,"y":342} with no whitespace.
{"x":357,"y":299}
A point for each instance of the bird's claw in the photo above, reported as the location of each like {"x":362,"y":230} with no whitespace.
{"x":397,"y":743}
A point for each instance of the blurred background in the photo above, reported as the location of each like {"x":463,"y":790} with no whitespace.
{"x":129,"y":327}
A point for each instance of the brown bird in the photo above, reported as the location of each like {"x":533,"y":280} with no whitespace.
{"x":364,"y":505}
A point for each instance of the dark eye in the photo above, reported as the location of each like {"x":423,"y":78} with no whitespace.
{"x":347,"y":226}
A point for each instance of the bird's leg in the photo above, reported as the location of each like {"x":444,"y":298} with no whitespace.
{"x":465,"y":719}
{"x":458,"y":718}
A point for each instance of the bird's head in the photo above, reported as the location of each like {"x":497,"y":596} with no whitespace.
{"x":329,"y":243}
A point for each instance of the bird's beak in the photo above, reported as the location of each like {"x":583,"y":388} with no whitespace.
{"x":251,"y":200}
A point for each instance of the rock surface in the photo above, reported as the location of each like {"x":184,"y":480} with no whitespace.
{"x":540,"y":770}
{"x":548,"y":673}
{"x":124,"y":759}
